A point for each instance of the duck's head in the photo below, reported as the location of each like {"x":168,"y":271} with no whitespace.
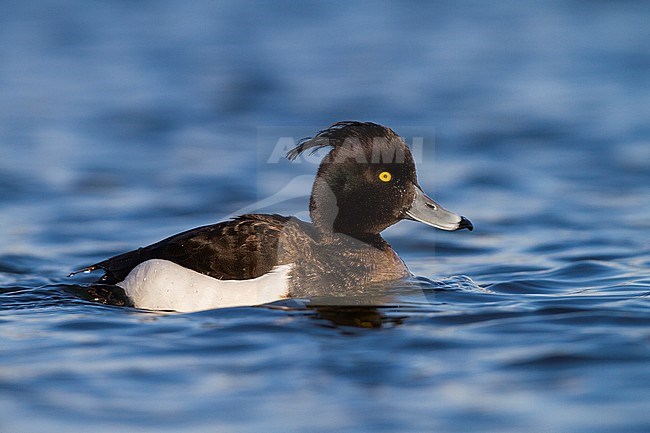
{"x":367,"y":182}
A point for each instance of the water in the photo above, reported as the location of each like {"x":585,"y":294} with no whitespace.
{"x":123,"y":123}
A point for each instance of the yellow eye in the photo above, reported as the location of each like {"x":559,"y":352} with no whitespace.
{"x":385,"y":176}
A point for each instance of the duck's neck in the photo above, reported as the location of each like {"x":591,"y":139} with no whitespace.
{"x":336,"y":235}
{"x":372,"y":239}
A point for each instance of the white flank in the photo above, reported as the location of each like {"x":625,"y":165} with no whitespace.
{"x":163,"y":285}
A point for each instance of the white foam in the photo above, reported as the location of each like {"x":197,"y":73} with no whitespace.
{"x":163,"y":285}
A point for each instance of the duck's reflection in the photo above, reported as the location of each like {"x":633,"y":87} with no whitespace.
{"x":354,"y":316}
{"x":360,"y":312}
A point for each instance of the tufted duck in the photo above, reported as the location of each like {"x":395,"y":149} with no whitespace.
{"x":366,"y":183}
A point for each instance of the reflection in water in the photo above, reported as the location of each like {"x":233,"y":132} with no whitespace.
{"x":359,"y":317}
{"x":362,"y":312}
{"x":366,"y":312}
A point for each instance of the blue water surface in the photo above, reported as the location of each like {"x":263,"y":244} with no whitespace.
{"x":122,"y":123}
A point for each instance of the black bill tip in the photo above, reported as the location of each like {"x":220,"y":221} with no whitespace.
{"x":465,"y":224}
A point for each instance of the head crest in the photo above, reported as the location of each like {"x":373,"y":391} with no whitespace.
{"x":336,"y":135}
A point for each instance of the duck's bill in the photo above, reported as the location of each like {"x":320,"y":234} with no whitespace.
{"x":427,"y":211}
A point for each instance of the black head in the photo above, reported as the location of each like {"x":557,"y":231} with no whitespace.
{"x":368,"y":182}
